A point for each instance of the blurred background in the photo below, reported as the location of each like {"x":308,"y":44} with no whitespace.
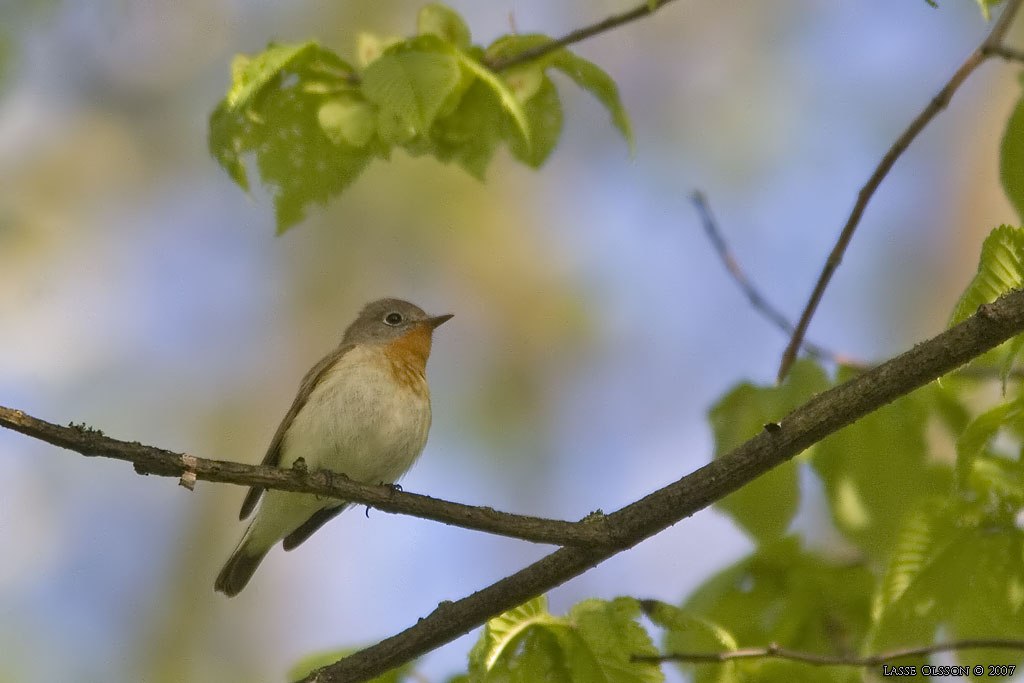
{"x":145,"y":294}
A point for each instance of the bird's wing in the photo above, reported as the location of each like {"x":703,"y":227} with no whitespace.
{"x":273,"y":456}
{"x":316,"y":520}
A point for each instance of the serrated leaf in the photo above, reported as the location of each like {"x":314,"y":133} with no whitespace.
{"x":1011,"y":159}
{"x":780,"y":594}
{"x":544,"y":114}
{"x":585,"y":73}
{"x":270,"y":114}
{"x":444,"y":22}
{"x":500,"y":631}
{"x":866,"y":506}
{"x":409,"y":85}
{"x":952,"y":572}
{"x":598,"y":83}
{"x":983,"y":428}
{"x":765,"y":507}
{"x":686,"y":631}
{"x":1000,"y":269}
{"x":348,"y":120}
{"x":612,"y":634}
{"x":470,"y":134}
{"x":249,"y":75}
{"x":594,"y":642}
{"x":505,"y":95}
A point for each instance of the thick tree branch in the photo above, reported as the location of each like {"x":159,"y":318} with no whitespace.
{"x":614,"y":21}
{"x":152,"y":460}
{"x":823,"y":415}
{"x":984,"y":51}
{"x":775,"y":652}
{"x":757,"y":300}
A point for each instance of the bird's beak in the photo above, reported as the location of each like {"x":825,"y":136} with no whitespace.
{"x":438,"y":320}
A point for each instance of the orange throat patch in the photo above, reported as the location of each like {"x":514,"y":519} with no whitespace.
{"x":408,"y":355}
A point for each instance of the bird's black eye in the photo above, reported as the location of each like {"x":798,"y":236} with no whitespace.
{"x":393,"y":319}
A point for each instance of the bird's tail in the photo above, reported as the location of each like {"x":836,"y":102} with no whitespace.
{"x":240,"y":566}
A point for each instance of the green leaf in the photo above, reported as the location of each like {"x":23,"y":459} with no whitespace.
{"x":471,"y":134}
{"x":272,"y":112}
{"x":977,"y":434}
{"x":993,"y":482}
{"x":370,"y":47}
{"x":611,"y":633}
{"x":598,"y":83}
{"x":538,"y":655}
{"x":505,"y":95}
{"x":544,"y":118}
{"x":765,"y":507}
{"x":500,"y":631}
{"x":249,"y":75}
{"x":876,"y":469}
{"x":686,"y":631}
{"x":780,"y":594}
{"x":952,"y":573}
{"x":586,"y":74}
{"x":1011,"y":159}
{"x":409,"y":85}
{"x":593,"y":643}
{"x":986,"y":6}
{"x":440,"y":20}
{"x":525,"y":81}
{"x":348,"y":120}
{"x":1000,"y":270}
{"x":310,"y":663}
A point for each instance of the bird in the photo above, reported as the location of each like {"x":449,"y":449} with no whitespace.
{"x":362,"y":411}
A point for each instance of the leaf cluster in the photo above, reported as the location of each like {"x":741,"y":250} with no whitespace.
{"x":313,"y":121}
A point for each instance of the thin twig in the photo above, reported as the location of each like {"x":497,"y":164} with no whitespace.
{"x":821,"y":416}
{"x":1009,"y":54}
{"x":937,"y":104}
{"x":616,"y":20}
{"x":757,"y":300}
{"x":151,"y":460}
{"x":773,"y":651}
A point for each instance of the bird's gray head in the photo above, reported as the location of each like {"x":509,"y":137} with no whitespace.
{"x":384,"y":320}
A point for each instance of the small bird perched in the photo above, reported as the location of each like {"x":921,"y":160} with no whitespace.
{"x":363,"y":411}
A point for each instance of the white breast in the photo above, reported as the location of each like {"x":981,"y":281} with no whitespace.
{"x":360,"y":422}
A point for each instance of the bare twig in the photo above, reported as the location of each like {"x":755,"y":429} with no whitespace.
{"x":151,"y":460}
{"x":992,"y":42}
{"x":1006,"y":53}
{"x":757,"y":300}
{"x":823,"y":415}
{"x":616,"y":20}
{"x":773,"y":651}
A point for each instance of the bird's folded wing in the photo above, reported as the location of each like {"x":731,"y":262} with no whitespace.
{"x":273,"y":456}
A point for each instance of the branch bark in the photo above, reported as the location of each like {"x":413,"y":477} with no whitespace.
{"x":989,"y":47}
{"x":823,"y":415}
{"x":151,"y":460}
